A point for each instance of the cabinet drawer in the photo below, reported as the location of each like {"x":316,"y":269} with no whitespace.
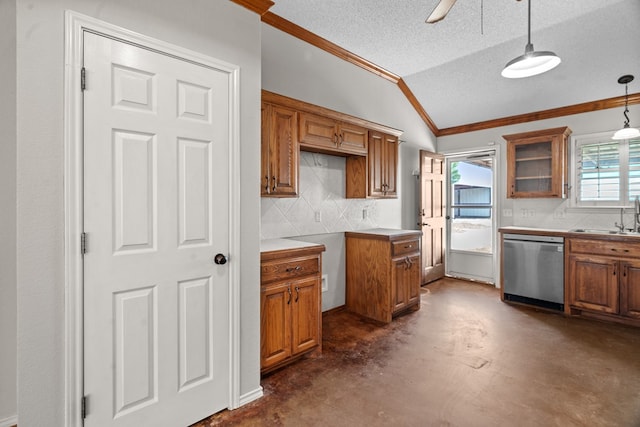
{"x":284,"y":269}
{"x":601,"y":247}
{"x":402,"y":247}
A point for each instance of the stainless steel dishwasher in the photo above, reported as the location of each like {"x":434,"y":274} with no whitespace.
{"x":533,"y":270}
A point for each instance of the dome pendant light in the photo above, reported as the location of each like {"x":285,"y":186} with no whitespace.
{"x":532,"y":62}
{"x":626,"y":132}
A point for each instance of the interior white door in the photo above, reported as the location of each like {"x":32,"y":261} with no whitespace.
{"x":156,"y":196}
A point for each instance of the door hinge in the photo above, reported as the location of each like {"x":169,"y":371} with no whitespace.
{"x":83,"y":79}
{"x":83,"y":243}
{"x":83,"y":407}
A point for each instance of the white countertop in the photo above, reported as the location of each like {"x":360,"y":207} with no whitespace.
{"x":269,"y":245}
{"x":385,"y":231}
{"x":517,"y":227}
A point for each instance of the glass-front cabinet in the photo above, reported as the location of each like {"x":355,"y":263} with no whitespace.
{"x":537,"y":163}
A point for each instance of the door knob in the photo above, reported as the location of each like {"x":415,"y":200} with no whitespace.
{"x":423,"y":224}
{"x":220,"y":259}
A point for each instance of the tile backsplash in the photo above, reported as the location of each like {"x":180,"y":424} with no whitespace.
{"x":321,"y":207}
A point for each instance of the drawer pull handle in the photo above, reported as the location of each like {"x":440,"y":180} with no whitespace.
{"x":408,"y":246}
{"x":297,"y":293}
{"x":291,"y":269}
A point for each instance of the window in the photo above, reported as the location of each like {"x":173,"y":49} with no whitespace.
{"x":606,"y":172}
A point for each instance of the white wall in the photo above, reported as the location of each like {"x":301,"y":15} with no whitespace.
{"x":216,"y":28}
{"x":548,"y":213}
{"x":8,"y":404}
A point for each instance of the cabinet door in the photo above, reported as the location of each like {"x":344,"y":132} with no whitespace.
{"x":352,"y":139}
{"x":383,"y":163}
{"x":265,"y":148}
{"x":413,"y":277}
{"x":275,"y":324}
{"x":630,"y":289}
{"x":399,"y":290}
{"x":376,"y":168}
{"x":593,"y":283}
{"x":405,"y":288}
{"x":390,"y":165}
{"x":537,"y":163}
{"x":306,"y":314}
{"x":318,"y":131}
{"x":281,"y":152}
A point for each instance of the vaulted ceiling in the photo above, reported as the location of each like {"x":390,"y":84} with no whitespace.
{"x":452,"y":68}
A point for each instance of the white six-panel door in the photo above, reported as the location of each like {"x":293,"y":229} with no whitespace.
{"x":156,"y":195}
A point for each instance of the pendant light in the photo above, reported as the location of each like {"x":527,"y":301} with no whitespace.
{"x":626,"y":132}
{"x":532,"y":62}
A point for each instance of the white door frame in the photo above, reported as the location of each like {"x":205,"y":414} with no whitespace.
{"x":75,"y":25}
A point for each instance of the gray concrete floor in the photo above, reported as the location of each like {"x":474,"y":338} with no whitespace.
{"x":464,"y":359}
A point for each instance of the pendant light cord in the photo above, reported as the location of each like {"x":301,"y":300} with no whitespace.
{"x":626,"y":105}
{"x":529,"y":23}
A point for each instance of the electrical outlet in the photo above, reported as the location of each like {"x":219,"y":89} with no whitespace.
{"x":318,"y":216}
{"x":365,"y":213}
{"x":532,"y":213}
{"x":523,"y":213}
{"x":507,"y":212}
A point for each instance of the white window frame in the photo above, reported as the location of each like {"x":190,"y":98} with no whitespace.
{"x":603,"y":137}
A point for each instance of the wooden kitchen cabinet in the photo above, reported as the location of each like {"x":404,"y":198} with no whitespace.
{"x":537,"y":163}
{"x":383,"y":272}
{"x":383,"y":165}
{"x":279,"y":151}
{"x":290,"y":305}
{"x":328,"y":135}
{"x":604,"y":277}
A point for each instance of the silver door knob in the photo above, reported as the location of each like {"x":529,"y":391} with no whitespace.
{"x":220,"y":259}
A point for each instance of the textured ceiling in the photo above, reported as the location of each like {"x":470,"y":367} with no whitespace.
{"x":453,"y":67}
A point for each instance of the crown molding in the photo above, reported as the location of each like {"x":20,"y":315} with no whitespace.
{"x":258,"y":6}
{"x":569,"y":110}
{"x":418,"y":107}
{"x":324,"y":44}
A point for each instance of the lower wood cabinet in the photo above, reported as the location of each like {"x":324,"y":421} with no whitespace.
{"x":383,"y":272}
{"x":290,"y":305}
{"x":604,"y":278}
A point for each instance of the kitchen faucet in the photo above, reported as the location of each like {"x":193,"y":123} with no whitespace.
{"x":636,"y":215}
{"x":621,"y":225}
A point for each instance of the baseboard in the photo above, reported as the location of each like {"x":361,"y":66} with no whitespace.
{"x":9,"y":422}
{"x":251,"y":396}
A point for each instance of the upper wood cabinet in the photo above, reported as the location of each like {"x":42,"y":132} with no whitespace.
{"x":279,"y":151}
{"x":328,"y":135}
{"x":290,"y":125}
{"x":383,"y":164}
{"x":537,"y":163}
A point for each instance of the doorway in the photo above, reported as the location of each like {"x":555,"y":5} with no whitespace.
{"x":152,"y":168}
{"x":471,"y":219}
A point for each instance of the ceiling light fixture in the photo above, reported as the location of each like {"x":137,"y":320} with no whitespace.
{"x":532,"y":62}
{"x":626,"y":132}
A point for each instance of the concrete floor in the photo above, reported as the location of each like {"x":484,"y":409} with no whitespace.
{"x":464,"y":359}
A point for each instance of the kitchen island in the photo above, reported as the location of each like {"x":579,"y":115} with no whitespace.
{"x":383,"y":272}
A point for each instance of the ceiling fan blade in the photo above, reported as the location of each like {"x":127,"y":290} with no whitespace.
{"x":440,"y":11}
